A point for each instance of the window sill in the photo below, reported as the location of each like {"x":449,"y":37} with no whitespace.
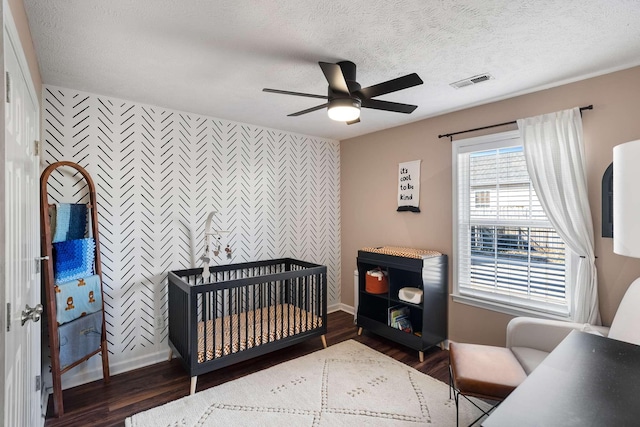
{"x":507,"y":309}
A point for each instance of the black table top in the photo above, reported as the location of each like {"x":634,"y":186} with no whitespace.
{"x":587,"y":380}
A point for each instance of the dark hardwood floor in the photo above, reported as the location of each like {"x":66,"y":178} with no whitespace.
{"x":97,"y":404}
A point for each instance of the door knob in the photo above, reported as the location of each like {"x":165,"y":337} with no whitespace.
{"x":32,"y":313}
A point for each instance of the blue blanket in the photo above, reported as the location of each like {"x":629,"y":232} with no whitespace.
{"x":78,"y":298}
{"x":73,"y":259}
{"x":68,"y":222}
{"x":79,"y":338}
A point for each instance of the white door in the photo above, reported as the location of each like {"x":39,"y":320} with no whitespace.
{"x":20,"y":202}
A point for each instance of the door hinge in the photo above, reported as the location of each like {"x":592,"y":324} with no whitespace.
{"x":36,"y":147}
{"x":38,"y":383}
{"x":8,"y":317}
{"x":8,"y":86}
{"x":39,"y":262}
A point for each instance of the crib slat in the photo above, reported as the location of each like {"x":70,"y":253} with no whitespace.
{"x":213,"y":315}
{"x":229,"y":314}
{"x":296,"y":313}
{"x":304,"y":313}
{"x":280,"y":317}
{"x":269,"y":312}
{"x":205,"y":328}
{"x":289,"y":305}
{"x":261,"y":286}
{"x":253,"y":304}
{"x":316,"y":308}
{"x":236,"y":294}
{"x":221,"y":313}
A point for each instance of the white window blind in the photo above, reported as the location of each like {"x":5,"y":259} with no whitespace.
{"x":507,"y":251}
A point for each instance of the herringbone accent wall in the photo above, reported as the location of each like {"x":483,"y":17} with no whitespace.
{"x":159,"y":173}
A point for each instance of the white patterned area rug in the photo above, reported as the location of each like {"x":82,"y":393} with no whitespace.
{"x":347,"y":384}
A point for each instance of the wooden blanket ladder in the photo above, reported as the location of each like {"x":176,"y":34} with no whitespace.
{"x":50,"y":285}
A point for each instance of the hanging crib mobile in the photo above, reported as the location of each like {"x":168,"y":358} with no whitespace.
{"x":212,"y":246}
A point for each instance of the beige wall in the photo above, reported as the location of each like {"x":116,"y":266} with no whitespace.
{"x":20,"y":19}
{"x":369,"y":168}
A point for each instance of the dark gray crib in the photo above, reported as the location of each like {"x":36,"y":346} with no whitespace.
{"x":245,"y":310}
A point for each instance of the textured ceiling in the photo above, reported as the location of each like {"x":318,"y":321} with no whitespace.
{"x":214,"y":57}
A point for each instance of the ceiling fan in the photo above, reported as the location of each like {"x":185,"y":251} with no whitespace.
{"x":345,"y":96}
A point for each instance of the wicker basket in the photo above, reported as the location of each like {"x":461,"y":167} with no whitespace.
{"x":376,"y":281}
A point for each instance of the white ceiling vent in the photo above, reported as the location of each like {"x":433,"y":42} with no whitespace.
{"x":471,"y":80}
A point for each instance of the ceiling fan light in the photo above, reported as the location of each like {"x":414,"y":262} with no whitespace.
{"x":344,"y":109}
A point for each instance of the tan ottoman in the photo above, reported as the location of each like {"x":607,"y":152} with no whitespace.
{"x":483,"y":371}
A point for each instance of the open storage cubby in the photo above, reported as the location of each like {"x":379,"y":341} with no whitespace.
{"x":426,"y":270}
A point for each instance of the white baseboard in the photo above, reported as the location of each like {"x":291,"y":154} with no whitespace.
{"x":95,"y":374}
{"x":346,"y":308}
{"x":343,"y":307}
{"x":340,"y":307}
{"x":333,"y":308}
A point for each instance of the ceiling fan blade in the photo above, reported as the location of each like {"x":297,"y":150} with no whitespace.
{"x":334,"y":76}
{"x":388,"y":106}
{"x":308,"y":110}
{"x":286,"y":92}
{"x":353,"y":122}
{"x":389,"y":86}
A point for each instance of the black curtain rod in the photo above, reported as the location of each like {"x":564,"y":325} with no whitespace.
{"x":513,"y":122}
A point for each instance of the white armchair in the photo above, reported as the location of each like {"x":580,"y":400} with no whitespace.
{"x":531,"y":340}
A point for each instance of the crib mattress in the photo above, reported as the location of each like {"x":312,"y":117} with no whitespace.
{"x":231,"y":334}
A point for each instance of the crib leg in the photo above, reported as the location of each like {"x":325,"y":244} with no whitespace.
{"x":170,"y":354}
{"x":194,"y":380}
{"x":324,"y":341}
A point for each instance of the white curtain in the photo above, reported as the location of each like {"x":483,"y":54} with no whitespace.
{"x":554,"y":152}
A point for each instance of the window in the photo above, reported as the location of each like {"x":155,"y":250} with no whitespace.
{"x":508,"y":255}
